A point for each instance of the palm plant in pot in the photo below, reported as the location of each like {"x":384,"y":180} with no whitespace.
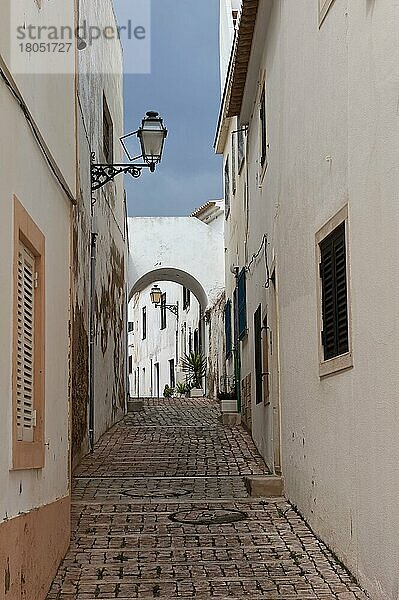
{"x":194,"y":365}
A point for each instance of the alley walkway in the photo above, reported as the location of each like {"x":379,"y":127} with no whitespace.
{"x":160,"y":510}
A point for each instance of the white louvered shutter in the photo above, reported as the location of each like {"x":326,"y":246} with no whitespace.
{"x":25,"y":345}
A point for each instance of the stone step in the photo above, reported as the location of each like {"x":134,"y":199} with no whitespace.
{"x":259,"y":486}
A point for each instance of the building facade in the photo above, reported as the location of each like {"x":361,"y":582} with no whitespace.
{"x":308,"y":130}
{"x":38,"y":187}
{"x":165,"y":251}
{"x":99,"y":350}
{"x":159,"y":338}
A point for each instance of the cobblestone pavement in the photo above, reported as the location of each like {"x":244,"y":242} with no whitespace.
{"x":160,"y":510}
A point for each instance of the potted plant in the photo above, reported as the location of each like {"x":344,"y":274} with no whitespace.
{"x":194,"y":365}
{"x":168,"y":392}
{"x":182,"y":389}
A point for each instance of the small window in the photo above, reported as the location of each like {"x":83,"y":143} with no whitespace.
{"x":335,"y":334}
{"x":228,"y":328}
{"x":242,"y":304}
{"x":190,"y":340}
{"x":227,"y":186}
{"x":241,"y":147}
{"x":335,"y":350}
{"x":263,"y":129}
{"x":108,"y":134}
{"x":163,"y":311}
{"x":258,"y":355}
{"x":144,"y":323}
{"x":130,"y":364}
{"x":233,"y":163}
{"x":29,"y":341}
{"x":186,"y":298}
{"x":324,"y":7}
{"x":130,"y":327}
{"x":196,"y":341}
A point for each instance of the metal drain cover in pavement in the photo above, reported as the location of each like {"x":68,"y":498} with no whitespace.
{"x":218,"y":516}
{"x":158,"y":493}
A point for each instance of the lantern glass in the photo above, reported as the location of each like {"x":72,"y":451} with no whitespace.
{"x":156,"y":295}
{"x":152,"y":134}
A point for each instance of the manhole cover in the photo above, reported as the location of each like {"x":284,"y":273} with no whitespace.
{"x":159,"y":493}
{"x":218,"y":516}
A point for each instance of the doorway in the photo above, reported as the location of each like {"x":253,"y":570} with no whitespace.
{"x":273,"y":387}
{"x":156,"y":369}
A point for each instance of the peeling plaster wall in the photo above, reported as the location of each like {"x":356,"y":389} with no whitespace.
{"x":107,"y":220}
{"x":216,"y":374}
{"x":332,"y":97}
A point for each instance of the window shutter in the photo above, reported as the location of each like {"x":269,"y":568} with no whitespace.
{"x":258,"y":355}
{"x":242,"y":304}
{"x":227,"y":325}
{"x":25,"y":345}
{"x":335,"y":334}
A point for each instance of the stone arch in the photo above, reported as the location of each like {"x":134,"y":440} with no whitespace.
{"x":176,"y":276}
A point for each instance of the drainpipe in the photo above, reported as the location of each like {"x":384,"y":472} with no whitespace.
{"x":93,"y":258}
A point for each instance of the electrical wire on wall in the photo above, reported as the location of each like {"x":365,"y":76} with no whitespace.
{"x":36,"y":133}
{"x":255,"y":256}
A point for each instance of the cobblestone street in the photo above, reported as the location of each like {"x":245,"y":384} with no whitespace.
{"x":160,"y":510}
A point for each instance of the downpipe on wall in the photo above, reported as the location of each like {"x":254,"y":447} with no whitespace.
{"x":93,"y":258}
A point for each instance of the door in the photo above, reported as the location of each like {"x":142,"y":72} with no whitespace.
{"x":274,"y":369}
{"x":156,"y":367}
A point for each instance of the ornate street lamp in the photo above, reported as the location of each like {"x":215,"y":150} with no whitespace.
{"x":152,"y":135}
{"x":156,"y":299}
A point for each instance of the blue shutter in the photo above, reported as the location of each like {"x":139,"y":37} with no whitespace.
{"x":227,"y":327}
{"x":242,"y":304}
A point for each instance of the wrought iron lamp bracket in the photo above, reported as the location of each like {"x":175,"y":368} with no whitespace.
{"x":102,"y":174}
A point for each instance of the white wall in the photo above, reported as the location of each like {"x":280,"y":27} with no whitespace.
{"x":159,"y":346}
{"x":25,"y":174}
{"x":336,"y":97}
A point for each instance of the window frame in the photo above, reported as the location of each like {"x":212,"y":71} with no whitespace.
{"x":227,"y":186}
{"x":29,"y":454}
{"x":343,"y":361}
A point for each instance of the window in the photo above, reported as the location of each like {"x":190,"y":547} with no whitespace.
{"x":172,"y":380}
{"x":227,"y":186}
{"x":233,"y":163}
{"x":144,"y":323}
{"x":334,"y":311}
{"x":258,"y":355}
{"x":130,"y":327}
{"x":196,"y":341}
{"x":186,"y":298}
{"x":263,"y":129}
{"x":108,"y":133}
{"x":228,"y":329}
{"x":130,"y":364}
{"x":241,"y":147}
{"x":324,"y":6}
{"x":242,"y":304}
{"x":28,"y":343}
{"x":163,"y":311}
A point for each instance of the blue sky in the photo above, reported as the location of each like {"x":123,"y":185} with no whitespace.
{"x":184,"y":87}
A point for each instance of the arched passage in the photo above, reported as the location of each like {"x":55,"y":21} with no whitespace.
{"x":183,"y":250}
{"x":176,"y":276}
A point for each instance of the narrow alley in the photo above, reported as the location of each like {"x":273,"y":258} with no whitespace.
{"x":160,"y":509}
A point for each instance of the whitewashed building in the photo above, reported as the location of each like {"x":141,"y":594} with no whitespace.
{"x":38,"y":191}
{"x":160,"y":337}
{"x":309,"y":133}
{"x":184,"y":257}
